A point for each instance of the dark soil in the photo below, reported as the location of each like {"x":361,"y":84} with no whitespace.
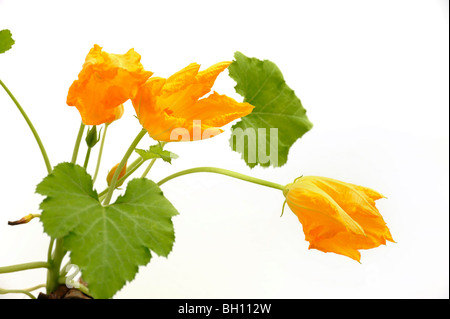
{"x":62,"y":292}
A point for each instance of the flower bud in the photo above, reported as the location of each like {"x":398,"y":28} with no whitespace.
{"x":336,"y":216}
{"x":113,"y":171}
{"x":23,"y":220}
{"x":91,"y":137}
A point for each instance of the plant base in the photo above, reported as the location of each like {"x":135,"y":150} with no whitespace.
{"x":62,"y":292}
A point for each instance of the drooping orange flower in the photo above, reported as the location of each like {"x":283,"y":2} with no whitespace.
{"x":172,"y":108}
{"x":104,"y":83}
{"x":336,"y":216}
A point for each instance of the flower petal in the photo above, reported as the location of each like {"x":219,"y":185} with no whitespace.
{"x":207,"y":77}
{"x":339,"y":244}
{"x":315,"y":208}
{"x":170,"y":110}
{"x":217,"y":110}
{"x":155,"y":120}
{"x":336,"y":216}
{"x":104,"y":83}
{"x":185,"y":87}
{"x":352,"y":198}
{"x":359,"y":203}
{"x":181,"y":79}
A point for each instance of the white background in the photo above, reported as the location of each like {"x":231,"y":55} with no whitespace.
{"x":373,"y":76}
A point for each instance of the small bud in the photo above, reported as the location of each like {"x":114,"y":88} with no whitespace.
{"x":23,"y":220}
{"x":113,"y":171}
{"x":91,"y":137}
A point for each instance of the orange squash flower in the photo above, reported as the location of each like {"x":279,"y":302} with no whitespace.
{"x":170,"y":108}
{"x":336,"y":216}
{"x":104,"y":83}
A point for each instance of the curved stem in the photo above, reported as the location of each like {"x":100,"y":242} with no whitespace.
{"x":100,"y":152}
{"x":26,"y":266}
{"x":223,"y":172}
{"x":125,"y":158}
{"x":35,"y":287}
{"x":26,"y":291}
{"x":31,"y":126}
{"x":17,"y":291}
{"x":77,"y":143}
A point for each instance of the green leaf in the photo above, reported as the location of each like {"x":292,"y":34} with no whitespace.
{"x":156,"y":151}
{"x":278,"y":119}
{"x":68,"y":188}
{"x":6,"y":40}
{"x":107,"y":243}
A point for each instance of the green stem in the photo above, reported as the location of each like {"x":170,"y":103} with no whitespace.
{"x":100,"y":152}
{"x":26,"y":291}
{"x":49,"y":259}
{"x":125,"y":158}
{"x":56,"y":258}
{"x":55,"y":266}
{"x":86,"y":160}
{"x":26,"y":266}
{"x":130,"y":170}
{"x":50,"y":250}
{"x":35,"y":287}
{"x":77,"y":143}
{"x":223,"y":172}
{"x":31,"y":126}
{"x":150,"y":165}
{"x":16,"y":291}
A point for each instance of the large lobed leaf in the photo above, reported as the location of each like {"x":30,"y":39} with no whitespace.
{"x":107,"y":243}
{"x":265,"y":136}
